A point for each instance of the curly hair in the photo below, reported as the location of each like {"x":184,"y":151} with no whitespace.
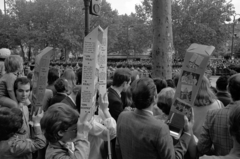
{"x":10,"y":122}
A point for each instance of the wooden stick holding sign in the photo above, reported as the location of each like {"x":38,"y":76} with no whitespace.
{"x":41,"y":68}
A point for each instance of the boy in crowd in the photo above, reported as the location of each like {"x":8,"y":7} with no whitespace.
{"x":62,"y":127}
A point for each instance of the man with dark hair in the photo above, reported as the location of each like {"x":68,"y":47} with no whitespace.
{"x":215,"y":132}
{"x":140,"y":135}
{"x":71,"y":99}
{"x":53,"y":75}
{"x":121,"y":81}
{"x":22,"y":89}
{"x":170,"y":83}
{"x":160,"y":84}
{"x":222,"y":94}
{"x":61,"y":86}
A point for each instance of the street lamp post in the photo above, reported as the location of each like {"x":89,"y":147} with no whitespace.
{"x":128,"y":41}
{"x":233,"y":34}
{"x":5,"y":11}
{"x":87,"y":5}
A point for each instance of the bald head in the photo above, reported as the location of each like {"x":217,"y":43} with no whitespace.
{"x":234,"y":86}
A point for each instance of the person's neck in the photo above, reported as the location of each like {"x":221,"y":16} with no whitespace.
{"x":120,"y":89}
{"x":150,"y":108}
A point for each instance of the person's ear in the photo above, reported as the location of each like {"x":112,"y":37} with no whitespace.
{"x":123,"y":84}
{"x":61,"y":133}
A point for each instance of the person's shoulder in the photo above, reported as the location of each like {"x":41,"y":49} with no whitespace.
{"x":126,"y":114}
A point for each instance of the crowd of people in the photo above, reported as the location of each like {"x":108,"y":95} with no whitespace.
{"x":133,"y":114}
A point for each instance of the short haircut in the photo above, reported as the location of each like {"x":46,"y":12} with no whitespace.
{"x":165,"y":99}
{"x":58,"y":117}
{"x":22,"y":81}
{"x":120,"y":76}
{"x":234,"y":86}
{"x":222,"y":83}
{"x":61,"y":85}
{"x":234,"y":122}
{"x":160,"y":84}
{"x":170,"y":83}
{"x":10,"y":122}
{"x":13,"y":63}
{"x":53,"y":75}
{"x":143,"y":92}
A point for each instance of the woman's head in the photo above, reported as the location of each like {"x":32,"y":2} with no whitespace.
{"x":10,"y":122}
{"x":70,"y":76}
{"x":165,"y":99}
{"x":205,"y":94}
{"x":60,"y":123}
{"x":13,"y":63}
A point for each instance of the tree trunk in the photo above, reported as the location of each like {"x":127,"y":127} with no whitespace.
{"x":162,"y":39}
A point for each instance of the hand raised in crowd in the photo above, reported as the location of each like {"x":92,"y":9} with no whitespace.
{"x":83,"y":126}
{"x":188,"y":126}
{"x":103,"y":101}
{"x":36,"y":118}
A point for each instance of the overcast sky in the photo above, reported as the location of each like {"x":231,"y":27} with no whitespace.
{"x":128,"y":6}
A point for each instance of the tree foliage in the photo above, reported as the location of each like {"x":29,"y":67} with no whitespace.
{"x":60,"y":23}
{"x":195,"y":21}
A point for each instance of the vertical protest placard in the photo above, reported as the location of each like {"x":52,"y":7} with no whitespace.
{"x":90,"y":71}
{"x":190,"y":80}
{"x":42,"y":62}
{"x":102,"y":61}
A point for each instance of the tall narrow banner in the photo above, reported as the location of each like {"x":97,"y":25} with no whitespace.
{"x":90,"y":71}
{"x":41,"y":68}
{"x":194,"y":66}
{"x":102,"y":61}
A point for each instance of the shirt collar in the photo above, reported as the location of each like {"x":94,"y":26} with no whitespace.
{"x":118,"y":92}
{"x":146,"y":110}
{"x":72,"y":100}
